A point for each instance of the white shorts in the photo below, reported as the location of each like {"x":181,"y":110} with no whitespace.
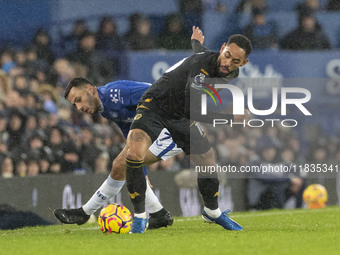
{"x":164,"y":147}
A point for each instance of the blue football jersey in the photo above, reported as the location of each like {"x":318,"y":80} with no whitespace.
{"x":119,"y":100}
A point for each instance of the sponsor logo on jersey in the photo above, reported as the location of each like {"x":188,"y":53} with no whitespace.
{"x":115,"y":96}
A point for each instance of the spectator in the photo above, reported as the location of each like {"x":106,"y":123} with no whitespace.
{"x":20,"y":83}
{"x":71,"y":41}
{"x":306,"y":37}
{"x":32,"y":167}
{"x":133,"y":20}
{"x":269,"y":189}
{"x":102,"y":163}
{"x":34,"y":147}
{"x":261,"y":33}
{"x":191,"y":12}
{"x":3,"y":150}
{"x":174,"y":36}
{"x":6,"y":167}
{"x":21,"y":168}
{"x":44,"y":165}
{"x":71,"y":162}
{"x":251,"y":6}
{"x":308,"y":7}
{"x":107,"y":37}
{"x":89,"y":151}
{"x":333,"y":5}
{"x":31,"y":102}
{"x":49,"y":97}
{"x":15,"y":129}
{"x":42,"y":43}
{"x":4,"y":135}
{"x":20,"y":58}
{"x":65,"y":73}
{"x":55,"y":142}
{"x":99,"y":68}
{"x":141,"y":38}
{"x":6,"y":61}
{"x":43,"y":124}
{"x":31,"y":125}
{"x":55,"y":167}
{"x":4,"y":86}
{"x":317,"y":154}
{"x":215,"y":5}
{"x":34,"y":64}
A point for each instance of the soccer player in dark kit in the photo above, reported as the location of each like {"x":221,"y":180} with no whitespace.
{"x":166,"y":104}
{"x":117,"y":102}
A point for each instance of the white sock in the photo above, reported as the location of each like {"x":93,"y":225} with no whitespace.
{"x":213,"y":213}
{"x":152,"y":203}
{"x":140,"y":215}
{"x":109,"y":188}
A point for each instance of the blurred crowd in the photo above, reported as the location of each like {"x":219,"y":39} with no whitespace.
{"x":40,"y":132}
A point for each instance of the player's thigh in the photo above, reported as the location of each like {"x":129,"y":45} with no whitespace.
{"x":145,"y":128}
{"x":190,"y":136}
{"x":150,"y":158}
{"x":137,"y":143}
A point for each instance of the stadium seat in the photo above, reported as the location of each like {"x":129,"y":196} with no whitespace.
{"x":285,"y":20}
{"x":278,"y":6}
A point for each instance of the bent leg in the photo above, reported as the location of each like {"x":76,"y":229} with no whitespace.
{"x":138,"y":143}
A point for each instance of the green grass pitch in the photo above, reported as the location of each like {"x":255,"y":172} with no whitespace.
{"x":267,"y":232}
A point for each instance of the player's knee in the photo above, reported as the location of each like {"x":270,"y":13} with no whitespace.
{"x":209,"y":155}
{"x":135,"y":155}
{"x":138,"y":143}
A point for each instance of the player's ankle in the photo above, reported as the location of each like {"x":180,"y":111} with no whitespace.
{"x":215,"y":213}
{"x":86,"y":212}
{"x":140,"y":215}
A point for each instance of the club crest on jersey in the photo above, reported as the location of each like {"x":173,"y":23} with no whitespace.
{"x":198,"y":81}
{"x":114,"y":114}
{"x":138,"y":116}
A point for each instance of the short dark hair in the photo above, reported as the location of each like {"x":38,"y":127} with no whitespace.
{"x":242,"y":41}
{"x":76,"y":82}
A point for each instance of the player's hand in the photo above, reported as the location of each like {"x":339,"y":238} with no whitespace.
{"x":241,"y":118}
{"x":197,"y":34}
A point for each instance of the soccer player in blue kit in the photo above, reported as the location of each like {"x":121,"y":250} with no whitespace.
{"x":117,"y":102}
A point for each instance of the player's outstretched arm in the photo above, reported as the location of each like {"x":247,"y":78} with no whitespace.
{"x":197,"y":34}
{"x":197,"y":40}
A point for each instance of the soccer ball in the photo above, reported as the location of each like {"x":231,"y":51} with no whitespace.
{"x":115,"y":218}
{"x":315,"y":196}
